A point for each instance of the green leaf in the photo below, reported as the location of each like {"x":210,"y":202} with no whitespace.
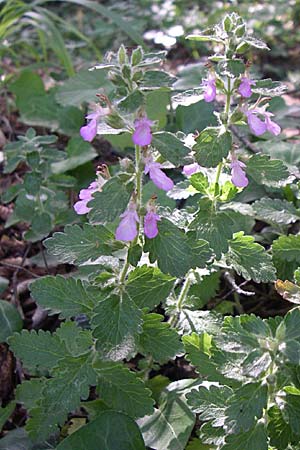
{"x":41,"y":350}
{"x":269,"y":88}
{"x":82,"y":88}
{"x":199,"y":321}
{"x":110,"y":431}
{"x":61,"y":395}
{"x":27,"y":86}
{"x":5,"y":413}
{"x":170,"y":147}
{"x":111,"y":202}
{"x":156,"y":106}
{"x":78,"y":341}
{"x":148,"y":286}
{"x":250,"y":259}
{"x":116,"y":325}
{"x":231,"y":67}
{"x":70,"y":120}
{"x":66,"y":296}
{"x":200,"y":182}
{"x":196,"y":444}
{"x":292,"y":408}
{"x":16,"y":439}
{"x":78,"y":153}
{"x":156,"y":79}
{"x":288,"y":333}
{"x":275,"y":211}
{"x":29,"y":392}
{"x":4,"y":282}
{"x":158,"y":339}
{"x":279,"y":430}
{"x":216,"y":228}
{"x":195,"y":117}
{"x":257,"y":43}
{"x":256,"y":438}
{"x":205,"y":290}
{"x":78,"y":245}
{"x":267,"y":171}
{"x":212,"y":145}
{"x":210,"y":403}
{"x":246,"y":406}
{"x":170,"y":426}
{"x":175,"y":251}
{"x":122,"y":390}
{"x":287,"y":248}
{"x":10,"y":320}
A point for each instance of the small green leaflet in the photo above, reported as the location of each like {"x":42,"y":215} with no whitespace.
{"x":116,"y":325}
{"x":148,"y":286}
{"x":175,"y":251}
{"x":122,"y":390}
{"x":271,"y":172}
{"x":78,"y":245}
{"x":250,"y":259}
{"x":111,"y":202}
{"x":212,"y":145}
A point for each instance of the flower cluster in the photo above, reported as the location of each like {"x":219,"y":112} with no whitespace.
{"x":258,"y":126}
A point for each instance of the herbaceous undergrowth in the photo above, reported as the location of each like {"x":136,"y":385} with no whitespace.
{"x":134,"y":255}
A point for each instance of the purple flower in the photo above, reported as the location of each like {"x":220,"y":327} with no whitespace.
{"x":257,"y":126}
{"x":89,"y":131}
{"x":272,"y":127}
{"x":127,"y":229}
{"x":142,"y":134}
{"x":158,"y":177}
{"x":150,"y":224}
{"x":238,"y":176}
{"x":85,"y":196}
{"x":245,"y":87}
{"x":210,"y":90}
{"x":189,"y":169}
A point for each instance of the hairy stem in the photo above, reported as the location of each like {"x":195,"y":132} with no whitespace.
{"x":181,"y":298}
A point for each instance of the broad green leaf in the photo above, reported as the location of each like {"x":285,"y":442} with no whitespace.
{"x":269,"y":88}
{"x":250,"y":259}
{"x":212,"y":145}
{"x":111,"y":430}
{"x":195,"y":117}
{"x":256,"y":438}
{"x":122,"y":390}
{"x":5,"y":413}
{"x":170,"y":426}
{"x":65,"y":296}
{"x":158,"y":339}
{"x":116,"y":325}
{"x":245,"y":407}
{"x":231,"y":67}
{"x":61,"y":395}
{"x":70,"y":120}
{"x":267,"y":171}
{"x":83,"y":87}
{"x":78,"y":341}
{"x":30,"y":392}
{"x":111,"y":202}
{"x":156,"y":106}
{"x":10,"y":320}
{"x":78,"y":245}
{"x":157,"y":79}
{"x":292,"y":408}
{"x":275,"y":211}
{"x":257,"y":43}
{"x":27,"y":86}
{"x":210,"y":402}
{"x":175,"y":251}
{"x":78,"y":153}
{"x":288,"y":152}
{"x":41,"y":350}
{"x":170,"y":147}
{"x":148,"y":286}
{"x":199,"y":321}
{"x":206,"y":289}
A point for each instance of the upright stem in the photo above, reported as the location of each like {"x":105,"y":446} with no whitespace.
{"x":139,"y":191}
{"x":228,"y":99}
{"x":181,"y":298}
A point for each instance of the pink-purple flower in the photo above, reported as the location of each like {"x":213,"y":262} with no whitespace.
{"x":238,"y":175}
{"x":210,"y":90}
{"x":127,"y":229}
{"x":85,"y":195}
{"x":89,"y":131}
{"x":150,"y":223}
{"x":245,"y":87}
{"x":258,"y":126}
{"x":159,"y":178}
{"x":142,"y":134}
{"x":190,"y":169}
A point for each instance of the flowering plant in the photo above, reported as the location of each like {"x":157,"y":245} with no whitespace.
{"x":140,"y":262}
